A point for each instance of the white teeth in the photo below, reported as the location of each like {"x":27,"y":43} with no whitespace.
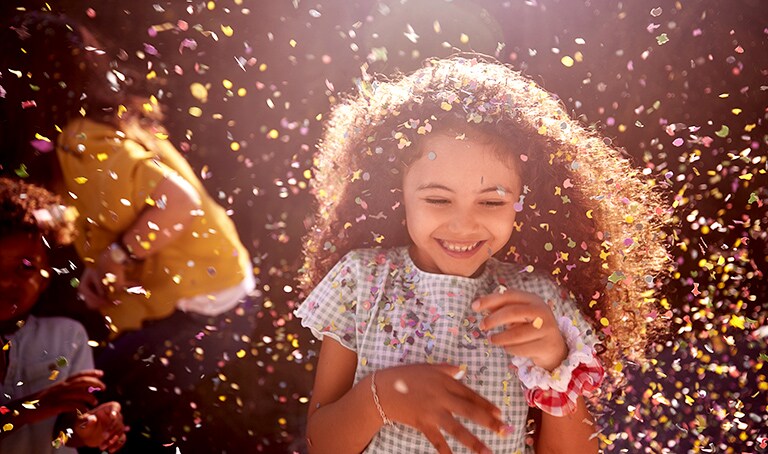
{"x":456,"y":247}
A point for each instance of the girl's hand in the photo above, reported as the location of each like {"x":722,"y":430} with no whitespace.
{"x":102,"y":427}
{"x":530,"y":329}
{"x":429,"y":398}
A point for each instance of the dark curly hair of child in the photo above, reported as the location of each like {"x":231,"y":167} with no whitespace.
{"x":29,"y":208}
{"x":586,"y":216}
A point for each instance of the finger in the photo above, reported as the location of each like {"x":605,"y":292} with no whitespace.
{"x":437,"y":439}
{"x":457,"y":430}
{"x":98,"y":373}
{"x":456,"y":372}
{"x":517,"y":334}
{"x":472,"y":399}
{"x":496,"y":300}
{"x":481,"y":412}
{"x":114,"y":443}
{"x":517,"y":314}
{"x":88,"y":384}
{"x":527,"y":350}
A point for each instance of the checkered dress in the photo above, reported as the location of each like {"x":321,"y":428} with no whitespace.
{"x":377,"y":303}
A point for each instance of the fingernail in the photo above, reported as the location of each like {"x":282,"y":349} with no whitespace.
{"x":460,"y":374}
{"x":497,"y":413}
{"x":506,"y":430}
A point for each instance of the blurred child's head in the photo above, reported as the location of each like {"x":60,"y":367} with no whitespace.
{"x":53,"y":70}
{"x":31,"y":222}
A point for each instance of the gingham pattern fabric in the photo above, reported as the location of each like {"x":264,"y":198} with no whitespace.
{"x":585,"y":379}
{"x":377,"y":303}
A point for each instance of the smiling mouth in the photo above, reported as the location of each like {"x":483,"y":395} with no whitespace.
{"x":460,"y":248}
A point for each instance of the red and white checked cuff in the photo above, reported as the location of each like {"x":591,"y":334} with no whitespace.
{"x":556,"y":392}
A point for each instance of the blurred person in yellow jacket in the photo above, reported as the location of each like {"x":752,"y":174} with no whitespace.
{"x":163,"y":261}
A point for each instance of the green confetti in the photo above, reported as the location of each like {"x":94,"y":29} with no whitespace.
{"x":615,"y":277}
{"x":723,"y":132}
{"x":21,"y":172}
{"x":662,"y":39}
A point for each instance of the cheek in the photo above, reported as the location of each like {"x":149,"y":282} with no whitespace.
{"x":34,"y":284}
{"x":505,"y":223}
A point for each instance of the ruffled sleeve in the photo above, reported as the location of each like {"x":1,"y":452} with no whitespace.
{"x":580,"y":373}
{"x":329,"y":310}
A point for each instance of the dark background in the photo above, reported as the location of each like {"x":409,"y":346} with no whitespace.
{"x":681,"y":86}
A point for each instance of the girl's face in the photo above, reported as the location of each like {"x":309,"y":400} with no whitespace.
{"x":22,"y":261}
{"x":459,"y":204}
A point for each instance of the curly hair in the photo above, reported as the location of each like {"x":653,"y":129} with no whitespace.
{"x":590,"y":219}
{"x":29,"y":208}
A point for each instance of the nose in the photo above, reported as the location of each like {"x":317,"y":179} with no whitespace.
{"x":463,"y":221}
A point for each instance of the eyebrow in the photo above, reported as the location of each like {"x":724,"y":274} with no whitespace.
{"x":498,"y":188}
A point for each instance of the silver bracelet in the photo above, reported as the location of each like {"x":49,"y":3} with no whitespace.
{"x":387,"y":421}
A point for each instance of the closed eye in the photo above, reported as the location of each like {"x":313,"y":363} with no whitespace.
{"x":437,"y":201}
{"x":494,"y":203}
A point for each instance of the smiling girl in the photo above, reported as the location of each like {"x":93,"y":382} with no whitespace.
{"x":468,"y":237}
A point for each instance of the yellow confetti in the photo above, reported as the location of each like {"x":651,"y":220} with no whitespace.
{"x":102,"y":157}
{"x":81,"y":180}
{"x":227,"y":84}
{"x":604,"y":321}
{"x":199,"y":91}
{"x":538,"y":323}
{"x":446,"y":106}
{"x":240,"y":353}
{"x":292,"y":43}
{"x":7,"y":427}
{"x":737,"y":321}
{"x":54,"y":375}
{"x":567,"y":61}
{"x":464,"y":38}
{"x":227,"y":30}
{"x":273,"y":134}
{"x":196,"y":111}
